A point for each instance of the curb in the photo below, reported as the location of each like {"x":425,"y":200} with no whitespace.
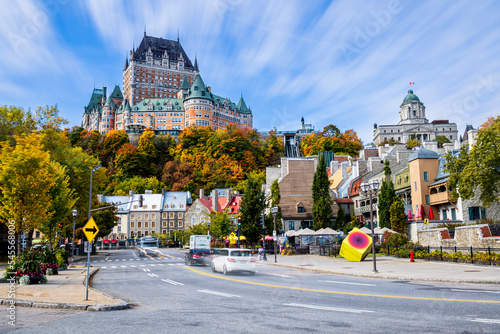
{"x":65,"y":306}
{"x":385,"y":277}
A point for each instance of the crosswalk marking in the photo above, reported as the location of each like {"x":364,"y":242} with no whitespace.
{"x":171,"y":282}
{"x":222,"y":294}
{"x":489,"y":321}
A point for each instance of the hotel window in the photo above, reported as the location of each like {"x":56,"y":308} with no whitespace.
{"x":179,"y":215}
{"x":179,"y":224}
{"x":171,"y":215}
{"x":165,"y":206}
{"x":164,"y":231}
{"x":153,"y":206}
{"x":139,"y":225}
{"x":427,"y":200}
{"x":153,"y":216}
{"x":164,"y":215}
{"x":291,"y":225}
{"x":146,"y":216}
{"x":146,"y":233}
{"x":415,"y":186}
{"x":146,"y":224}
{"x":153,"y":225}
{"x":132,"y":216}
{"x":132,"y":225}
{"x":426,"y":176}
{"x":171,"y":223}
{"x":164,"y":224}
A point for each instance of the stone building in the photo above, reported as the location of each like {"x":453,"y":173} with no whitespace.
{"x":414,"y":124}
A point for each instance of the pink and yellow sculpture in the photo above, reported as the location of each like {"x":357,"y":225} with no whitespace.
{"x":356,"y":246}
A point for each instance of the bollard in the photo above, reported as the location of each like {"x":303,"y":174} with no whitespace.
{"x":412,"y":259}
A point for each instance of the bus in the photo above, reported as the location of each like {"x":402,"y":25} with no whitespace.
{"x":148,"y":246}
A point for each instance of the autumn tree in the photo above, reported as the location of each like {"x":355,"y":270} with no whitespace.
{"x":137,"y":184}
{"x":322,"y":201}
{"x":411,"y":143}
{"x":179,"y":176}
{"x":331,"y":139}
{"x":149,"y":153}
{"x":111,"y":143}
{"x":15,"y":121}
{"x":398,"y":219}
{"x":442,"y":140}
{"x":251,"y":208}
{"x":90,"y":142}
{"x":27,"y":176}
{"x":477,"y":170}
{"x":164,"y":145}
{"x":386,"y":198}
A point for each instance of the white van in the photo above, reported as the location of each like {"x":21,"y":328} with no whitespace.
{"x":148,"y":246}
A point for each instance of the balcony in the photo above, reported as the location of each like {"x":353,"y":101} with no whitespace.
{"x":366,"y":208}
{"x":439,"y":198}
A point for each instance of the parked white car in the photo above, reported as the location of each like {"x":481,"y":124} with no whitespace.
{"x":234,"y":260}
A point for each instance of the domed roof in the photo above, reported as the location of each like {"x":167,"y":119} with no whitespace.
{"x":423,"y":153}
{"x":411,"y":97}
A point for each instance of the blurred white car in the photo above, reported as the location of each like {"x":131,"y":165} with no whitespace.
{"x":234,"y":260}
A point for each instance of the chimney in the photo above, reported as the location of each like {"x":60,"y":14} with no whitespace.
{"x":131,"y":193}
{"x":215,"y":201}
{"x":229,"y":196}
{"x":148,"y":192}
{"x":100,"y":198}
{"x":163,"y":191}
{"x":202,"y":194}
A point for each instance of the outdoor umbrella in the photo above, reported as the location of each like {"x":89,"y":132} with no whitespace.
{"x":431,"y":214}
{"x":365,"y":230}
{"x":422,"y":213}
{"x":410,"y":215}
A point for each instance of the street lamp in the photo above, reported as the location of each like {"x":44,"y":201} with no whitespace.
{"x":75,"y":213}
{"x":371,"y":189}
{"x":208,"y":227}
{"x":274,"y":211}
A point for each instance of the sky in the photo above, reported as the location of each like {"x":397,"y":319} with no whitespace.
{"x":346,"y":63}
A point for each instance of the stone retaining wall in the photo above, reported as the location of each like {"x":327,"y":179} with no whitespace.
{"x":477,"y":236}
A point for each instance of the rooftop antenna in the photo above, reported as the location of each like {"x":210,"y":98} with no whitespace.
{"x":144,"y":28}
{"x":178,"y":33}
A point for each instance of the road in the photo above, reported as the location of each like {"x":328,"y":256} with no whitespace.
{"x":169,"y":297}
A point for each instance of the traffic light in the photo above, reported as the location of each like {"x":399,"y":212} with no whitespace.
{"x":239,"y":223}
{"x":140,"y":201}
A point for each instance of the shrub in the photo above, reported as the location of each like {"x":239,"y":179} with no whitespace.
{"x":49,"y":271}
{"x":44,"y":280}
{"x":395,"y":239}
{"x":24,"y":280}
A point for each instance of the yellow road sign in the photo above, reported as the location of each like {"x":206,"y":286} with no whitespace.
{"x":90,"y":229}
{"x":426,"y":221}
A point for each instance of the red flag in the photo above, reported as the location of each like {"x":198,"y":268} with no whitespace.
{"x":412,"y":83}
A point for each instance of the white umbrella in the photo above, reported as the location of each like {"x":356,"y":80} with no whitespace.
{"x":377,"y":230}
{"x":365,"y":230}
{"x":290,"y":233}
{"x":305,"y":231}
{"x":327,"y":231}
{"x":385,"y":229}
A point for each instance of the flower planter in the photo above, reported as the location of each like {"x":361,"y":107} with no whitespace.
{"x":35,"y":280}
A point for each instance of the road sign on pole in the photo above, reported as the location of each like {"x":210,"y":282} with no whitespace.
{"x":426,"y":221}
{"x":90,"y":229}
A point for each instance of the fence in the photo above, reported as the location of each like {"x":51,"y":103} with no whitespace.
{"x":474,"y":255}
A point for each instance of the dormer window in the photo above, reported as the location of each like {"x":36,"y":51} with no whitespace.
{"x":301,"y":209}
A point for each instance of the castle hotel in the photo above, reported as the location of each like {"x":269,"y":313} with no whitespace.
{"x":163,"y":91}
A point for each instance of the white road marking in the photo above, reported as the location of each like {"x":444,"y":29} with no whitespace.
{"x":153,"y":275}
{"x":464,"y":290}
{"x":280,"y":275}
{"x":489,"y":321}
{"x":124,"y":260}
{"x":171,"y":282}
{"x":117,"y":260}
{"x":133,"y":266}
{"x":338,"y":282}
{"x":170,"y":264}
{"x":222,"y":294}
{"x":142,"y":265}
{"x":131,"y":259}
{"x":328,"y":308}
{"x":103,"y":267}
{"x":152,"y":265}
{"x":113,"y":266}
{"x":123,"y":266}
{"x":107,"y":257}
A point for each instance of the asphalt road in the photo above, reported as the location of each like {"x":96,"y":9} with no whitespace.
{"x":169,"y":297}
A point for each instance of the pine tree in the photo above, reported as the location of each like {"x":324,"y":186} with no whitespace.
{"x":322,"y":201}
{"x":398,"y":218}
{"x":340,"y":221}
{"x":251,"y":209}
{"x":386,"y":198}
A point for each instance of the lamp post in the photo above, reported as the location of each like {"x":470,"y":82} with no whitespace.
{"x":274,"y":211}
{"x":92,"y":170}
{"x":75,"y":213}
{"x":371,"y":189}
{"x":208,"y":227}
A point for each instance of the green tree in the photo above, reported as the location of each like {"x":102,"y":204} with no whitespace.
{"x":220,"y":225}
{"x":322,"y":201}
{"x":251,"y":208}
{"x":105,"y":219}
{"x":341,"y":219}
{"x":15,"y":121}
{"x":149,"y":153}
{"x":441,"y":140}
{"x":385,"y":199}
{"x":164,"y":145}
{"x":477,"y":170}
{"x":411,"y":143}
{"x":137,"y":184}
{"x":398,"y":218}
{"x":275,"y":202}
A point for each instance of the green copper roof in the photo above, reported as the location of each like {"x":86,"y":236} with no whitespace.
{"x":185,"y":84}
{"x":199,"y":90}
{"x":411,"y":97}
{"x":109,"y":102}
{"x":159,"y":105}
{"x":242,"y":105}
{"x":117,"y":93}
{"x":95,"y":100}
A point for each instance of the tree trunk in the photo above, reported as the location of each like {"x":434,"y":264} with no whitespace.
{"x":29,"y":240}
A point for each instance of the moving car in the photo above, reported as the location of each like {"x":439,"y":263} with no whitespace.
{"x":199,"y":256}
{"x":148,"y":246}
{"x":234,"y":260}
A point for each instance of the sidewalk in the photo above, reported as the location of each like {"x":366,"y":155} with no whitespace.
{"x":66,"y":290}
{"x":392,"y":268}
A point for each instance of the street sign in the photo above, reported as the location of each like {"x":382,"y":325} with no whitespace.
{"x":90,"y":229}
{"x":426,"y":221}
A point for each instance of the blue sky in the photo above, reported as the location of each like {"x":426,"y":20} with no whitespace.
{"x":347,"y":63}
